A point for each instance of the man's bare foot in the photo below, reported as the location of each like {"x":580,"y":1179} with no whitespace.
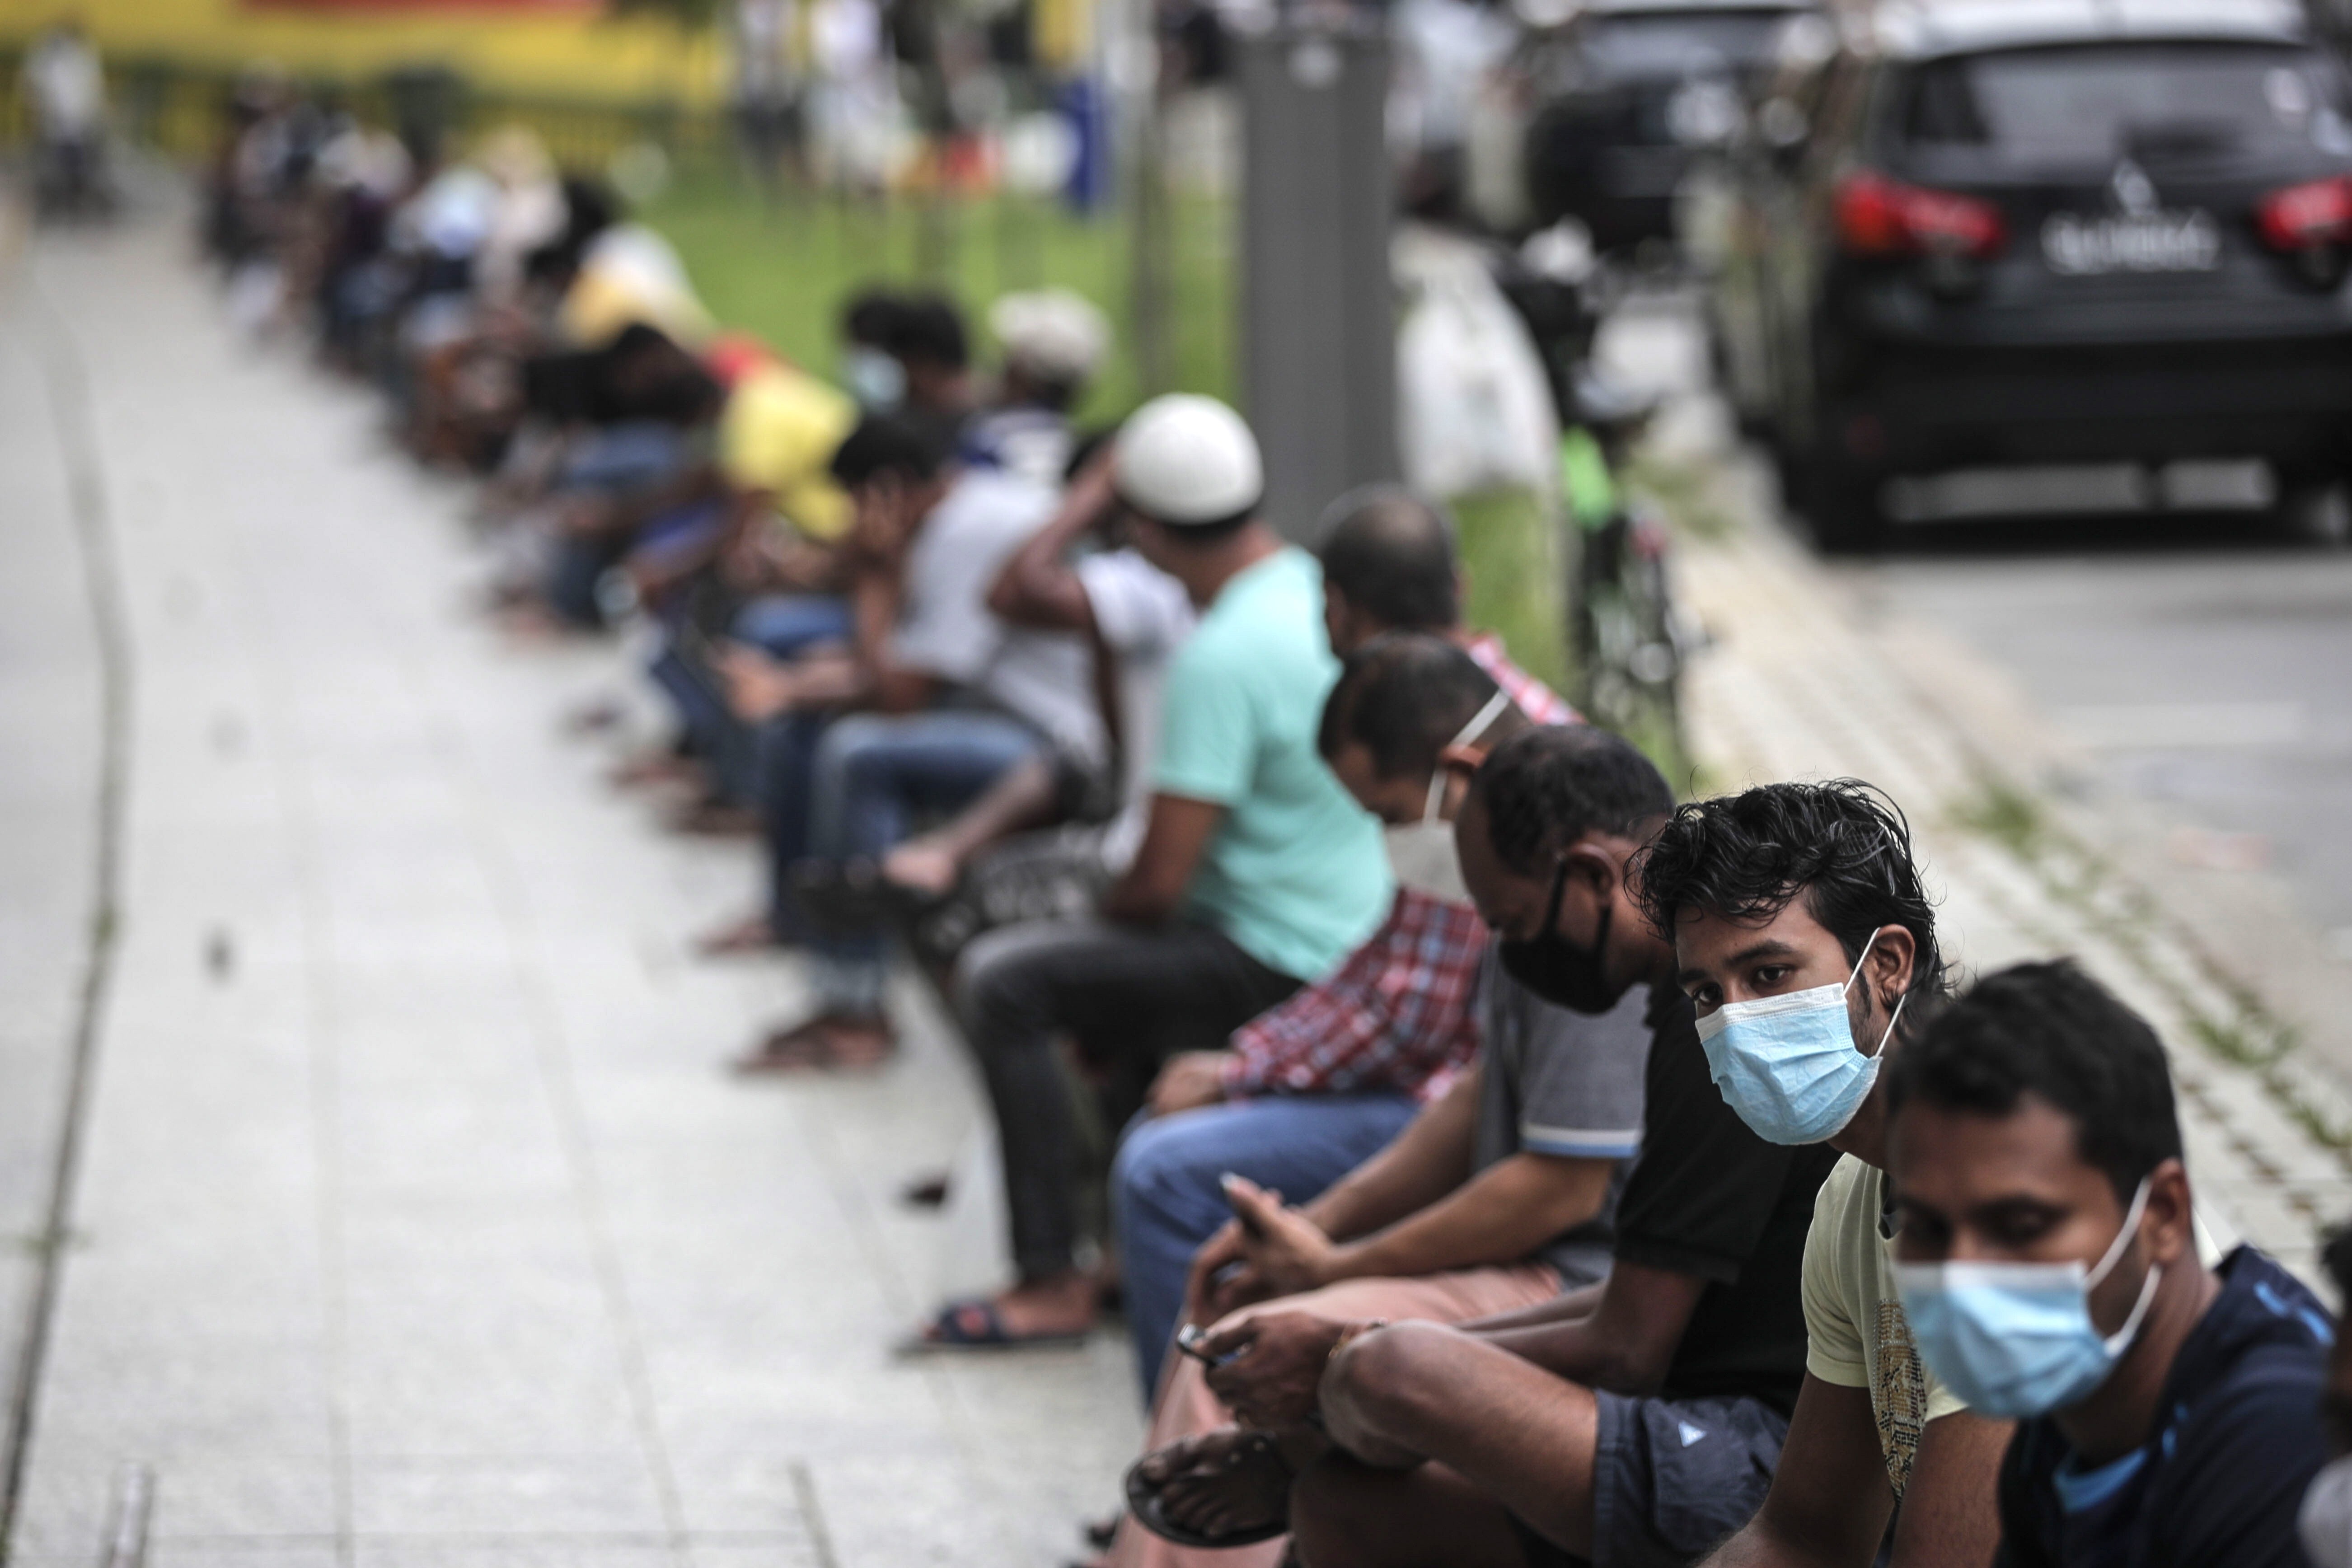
{"x":1227,"y":1484}
{"x":659,"y":766}
{"x":753,"y":933}
{"x":922,"y":865}
{"x":830,"y":1042}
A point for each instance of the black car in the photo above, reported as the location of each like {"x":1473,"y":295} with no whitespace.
{"x":1624,"y":95}
{"x":1994,"y":232}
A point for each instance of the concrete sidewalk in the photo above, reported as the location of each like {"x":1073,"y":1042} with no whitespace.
{"x":417,"y":1222}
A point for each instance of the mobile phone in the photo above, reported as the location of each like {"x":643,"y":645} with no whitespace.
{"x":1188,"y":1338}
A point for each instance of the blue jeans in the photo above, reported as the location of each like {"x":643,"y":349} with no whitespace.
{"x":615,"y":460}
{"x":1166,"y":1198}
{"x":869,"y":776}
{"x":780,"y":626}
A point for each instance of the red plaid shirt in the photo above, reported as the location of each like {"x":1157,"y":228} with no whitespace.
{"x":1399,"y":1013}
{"x":1395,"y":1016}
{"x":1540,"y":702}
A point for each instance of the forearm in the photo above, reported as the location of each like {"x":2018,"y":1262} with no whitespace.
{"x":1038,"y":587}
{"x":1428,"y":1160}
{"x":830,"y":681}
{"x":1022,"y":798}
{"x":1498,"y":1217}
{"x":1134,"y":900}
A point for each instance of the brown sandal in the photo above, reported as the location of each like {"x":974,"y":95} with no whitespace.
{"x":826,"y":1043}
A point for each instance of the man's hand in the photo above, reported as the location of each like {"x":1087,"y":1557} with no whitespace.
{"x":1204,"y":1300}
{"x":1190,"y":1079}
{"x":1278,"y":1362}
{"x":758,"y":687}
{"x":1287,"y":1251}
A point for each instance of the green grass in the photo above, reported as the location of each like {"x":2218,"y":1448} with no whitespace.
{"x":1509,"y":557}
{"x":783,"y":272}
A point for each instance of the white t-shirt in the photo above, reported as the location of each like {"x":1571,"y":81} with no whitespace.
{"x":1143,"y":615}
{"x":946,"y":630}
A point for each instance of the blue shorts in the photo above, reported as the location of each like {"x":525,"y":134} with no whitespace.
{"x":1671,"y":1479}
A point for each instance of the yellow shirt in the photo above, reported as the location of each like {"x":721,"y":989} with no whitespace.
{"x":777,"y":434}
{"x":1855,"y":1331}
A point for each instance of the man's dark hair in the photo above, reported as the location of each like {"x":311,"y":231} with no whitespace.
{"x":1392,"y":553}
{"x":882,"y":445}
{"x":871,"y":318}
{"x":2051,"y":1031}
{"x":1841,"y":845}
{"x":929,"y":331}
{"x":1403,"y":697}
{"x":1546,"y":788}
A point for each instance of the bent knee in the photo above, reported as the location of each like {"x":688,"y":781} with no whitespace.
{"x":1392,"y":1375}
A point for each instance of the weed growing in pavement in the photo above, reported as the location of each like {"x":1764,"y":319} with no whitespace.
{"x":2006,"y":815}
{"x":2227,"y":1020}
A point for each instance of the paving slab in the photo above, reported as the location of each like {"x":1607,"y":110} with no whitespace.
{"x":419,"y":1223}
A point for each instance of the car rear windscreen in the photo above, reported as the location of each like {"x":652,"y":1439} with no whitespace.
{"x":1670,"y":45}
{"x":2091,"y":105}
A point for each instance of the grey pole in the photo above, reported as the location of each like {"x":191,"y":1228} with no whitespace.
{"x":1317,"y":318}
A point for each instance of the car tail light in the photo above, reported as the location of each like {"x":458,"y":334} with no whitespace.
{"x":1879,"y":216}
{"x":2302,"y":217}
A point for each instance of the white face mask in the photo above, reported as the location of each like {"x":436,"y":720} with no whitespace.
{"x":1422,"y":855}
{"x":2325,"y":1520}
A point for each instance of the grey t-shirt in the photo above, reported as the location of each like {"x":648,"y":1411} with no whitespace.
{"x":945,"y":628}
{"x":1557,"y":1082}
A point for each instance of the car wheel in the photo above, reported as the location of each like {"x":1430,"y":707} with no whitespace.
{"x":1840,"y":502}
{"x":2319,"y":511}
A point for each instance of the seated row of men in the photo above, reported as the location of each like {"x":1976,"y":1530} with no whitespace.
{"x":1565,"y":1176}
{"x":1692,"y":1216}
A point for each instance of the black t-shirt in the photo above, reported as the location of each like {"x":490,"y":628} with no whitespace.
{"x":2238,"y":1437}
{"x":1710,"y":1199}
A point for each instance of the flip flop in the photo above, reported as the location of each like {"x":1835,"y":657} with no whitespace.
{"x":949,"y":1331}
{"x":813,"y":1045}
{"x":1143,"y":1501}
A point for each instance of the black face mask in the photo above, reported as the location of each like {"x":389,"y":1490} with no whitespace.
{"x":1555,"y":968}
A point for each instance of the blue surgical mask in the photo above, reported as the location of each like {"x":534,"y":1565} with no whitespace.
{"x":875,"y":379}
{"x":1789,"y":1065}
{"x":2016,"y":1340}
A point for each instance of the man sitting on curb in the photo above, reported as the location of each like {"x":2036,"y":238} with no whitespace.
{"x":1541,"y":1130}
{"x":1311,"y":1088}
{"x":936,"y":698}
{"x":1637,"y":1421}
{"x":2170,"y":1415}
{"x":1801,"y":933}
{"x":1256,"y":872}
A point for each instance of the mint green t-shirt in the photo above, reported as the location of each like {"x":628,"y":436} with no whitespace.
{"x":1297,"y":873}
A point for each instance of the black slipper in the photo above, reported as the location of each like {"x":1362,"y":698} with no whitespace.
{"x":1143,"y":1502}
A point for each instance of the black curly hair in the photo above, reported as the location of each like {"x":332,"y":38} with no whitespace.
{"x":2051,"y":1031}
{"x":1841,"y":845}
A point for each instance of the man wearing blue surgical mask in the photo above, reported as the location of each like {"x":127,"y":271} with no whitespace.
{"x":1803,"y":938}
{"x":2170,"y":1415}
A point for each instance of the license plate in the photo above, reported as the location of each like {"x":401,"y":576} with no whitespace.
{"x":2078,"y":247}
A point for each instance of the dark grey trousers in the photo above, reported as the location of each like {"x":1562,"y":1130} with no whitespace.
{"x":1132,"y":998}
